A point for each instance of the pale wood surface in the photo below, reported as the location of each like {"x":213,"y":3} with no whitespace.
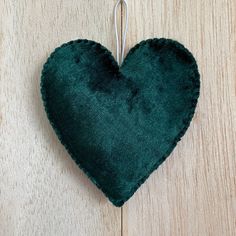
{"x":42,"y":192}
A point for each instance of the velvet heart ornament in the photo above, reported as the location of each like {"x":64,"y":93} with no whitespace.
{"x":120,"y":123}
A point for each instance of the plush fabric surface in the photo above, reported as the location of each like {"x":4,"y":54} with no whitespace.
{"x":120,"y":123}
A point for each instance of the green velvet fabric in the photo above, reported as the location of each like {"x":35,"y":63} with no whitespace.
{"x":120,"y":123}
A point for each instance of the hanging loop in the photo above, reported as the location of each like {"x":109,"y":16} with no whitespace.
{"x":124,"y":33}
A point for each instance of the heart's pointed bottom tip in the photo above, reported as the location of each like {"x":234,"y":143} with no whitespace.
{"x":118,"y":203}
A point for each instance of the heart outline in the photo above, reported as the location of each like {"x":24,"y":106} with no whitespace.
{"x":186,"y":122}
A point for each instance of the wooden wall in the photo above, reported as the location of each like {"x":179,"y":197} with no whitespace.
{"x":42,"y":192}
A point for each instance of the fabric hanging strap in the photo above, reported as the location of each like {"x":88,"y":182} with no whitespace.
{"x":124,"y":33}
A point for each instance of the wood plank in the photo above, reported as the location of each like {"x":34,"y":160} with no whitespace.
{"x":42,"y":192}
{"x":194,"y":191}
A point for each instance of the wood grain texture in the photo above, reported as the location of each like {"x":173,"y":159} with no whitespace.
{"x":42,"y":192}
{"x":194,"y":191}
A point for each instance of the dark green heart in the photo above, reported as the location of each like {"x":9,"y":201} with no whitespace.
{"x":120,"y":124}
